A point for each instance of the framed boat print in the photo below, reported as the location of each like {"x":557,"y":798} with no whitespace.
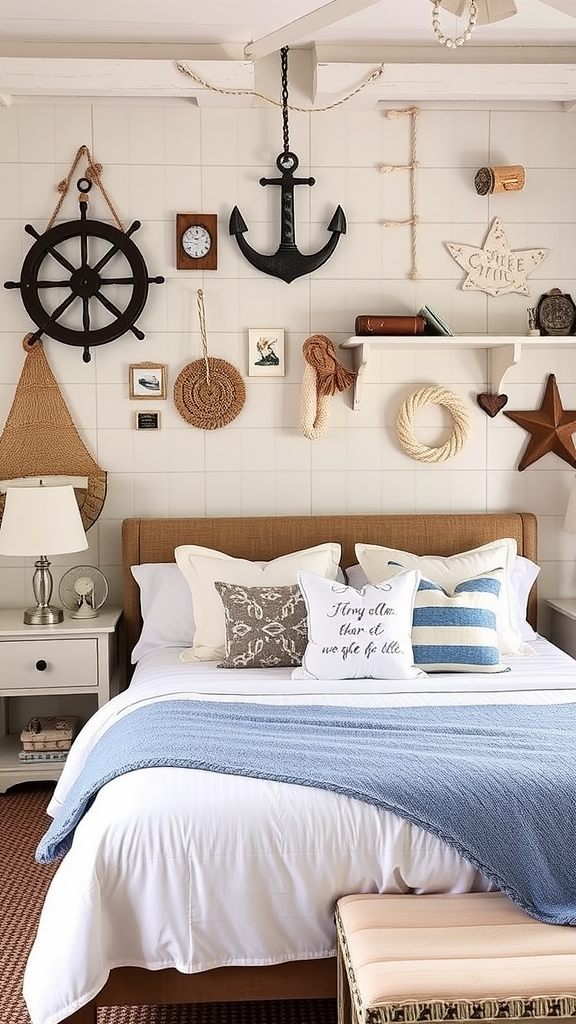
{"x":147,"y":380}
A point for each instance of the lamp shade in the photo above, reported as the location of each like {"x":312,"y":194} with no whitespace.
{"x":489,"y":11}
{"x":570,"y":517}
{"x":41,"y":520}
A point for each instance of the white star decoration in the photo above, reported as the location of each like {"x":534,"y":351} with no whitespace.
{"x":495,"y":268}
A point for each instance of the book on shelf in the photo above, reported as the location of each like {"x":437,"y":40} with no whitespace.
{"x":388,"y":323}
{"x":434,"y":322}
{"x":42,"y":755}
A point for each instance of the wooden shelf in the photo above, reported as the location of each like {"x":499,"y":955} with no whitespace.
{"x":504,"y":351}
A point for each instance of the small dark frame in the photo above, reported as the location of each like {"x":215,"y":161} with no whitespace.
{"x":147,"y":421}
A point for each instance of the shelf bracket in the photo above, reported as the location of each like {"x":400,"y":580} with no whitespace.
{"x":360,"y":356}
{"x":501,"y":359}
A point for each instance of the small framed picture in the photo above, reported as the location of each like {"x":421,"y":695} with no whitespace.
{"x":147,"y":421}
{"x":147,"y":380}
{"x":266,"y":352}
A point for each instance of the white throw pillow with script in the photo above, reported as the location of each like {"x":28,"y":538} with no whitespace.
{"x":360,"y":634}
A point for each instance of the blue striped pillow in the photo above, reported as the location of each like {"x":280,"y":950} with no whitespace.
{"x":457,"y":632}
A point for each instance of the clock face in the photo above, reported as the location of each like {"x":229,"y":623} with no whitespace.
{"x":196,"y":241}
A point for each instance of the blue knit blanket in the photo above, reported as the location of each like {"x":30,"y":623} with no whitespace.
{"x":498,"y":784}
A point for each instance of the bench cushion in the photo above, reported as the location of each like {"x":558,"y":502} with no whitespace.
{"x":436,"y":957}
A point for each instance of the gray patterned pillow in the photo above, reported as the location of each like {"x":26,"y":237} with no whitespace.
{"x":266,"y":627}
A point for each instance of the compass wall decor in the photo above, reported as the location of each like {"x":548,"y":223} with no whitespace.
{"x":84,"y":282}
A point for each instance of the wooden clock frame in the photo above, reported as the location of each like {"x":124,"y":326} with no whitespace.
{"x":206,"y":220}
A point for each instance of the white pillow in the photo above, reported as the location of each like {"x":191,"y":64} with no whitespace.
{"x":524,"y":574}
{"x":378,"y":563}
{"x":202,"y":567}
{"x":359,"y":634}
{"x":166,"y":608}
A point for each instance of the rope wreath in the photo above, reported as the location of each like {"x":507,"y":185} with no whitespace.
{"x":405,"y":424}
{"x":323,"y":377}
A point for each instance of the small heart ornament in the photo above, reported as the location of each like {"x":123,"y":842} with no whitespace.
{"x":491,"y":404}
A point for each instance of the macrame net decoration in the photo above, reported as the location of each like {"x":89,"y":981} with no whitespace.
{"x":209,"y":392}
{"x":40,"y":438}
{"x":323,"y":377}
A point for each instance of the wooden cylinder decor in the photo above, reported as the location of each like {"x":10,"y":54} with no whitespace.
{"x":499,"y":179}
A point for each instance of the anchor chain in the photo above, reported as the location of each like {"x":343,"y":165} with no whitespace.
{"x":284,"y":73}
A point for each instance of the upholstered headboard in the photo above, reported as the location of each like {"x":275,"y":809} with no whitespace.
{"x":266,"y":537}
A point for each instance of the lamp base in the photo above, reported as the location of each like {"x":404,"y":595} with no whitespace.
{"x":43,"y":615}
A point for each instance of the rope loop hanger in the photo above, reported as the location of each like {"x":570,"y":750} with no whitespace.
{"x":433,"y":395}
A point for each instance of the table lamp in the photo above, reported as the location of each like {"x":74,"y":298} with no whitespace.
{"x":42,"y":518}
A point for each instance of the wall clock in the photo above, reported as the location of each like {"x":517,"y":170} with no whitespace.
{"x":196,"y":241}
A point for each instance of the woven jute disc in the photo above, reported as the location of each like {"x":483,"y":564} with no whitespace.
{"x":209,"y":396}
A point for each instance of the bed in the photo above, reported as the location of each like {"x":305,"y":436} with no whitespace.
{"x":148,"y":541}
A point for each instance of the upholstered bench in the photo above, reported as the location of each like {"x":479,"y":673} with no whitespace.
{"x":452,"y":957}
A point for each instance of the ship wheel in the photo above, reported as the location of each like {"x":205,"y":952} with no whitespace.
{"x":102,"y":263}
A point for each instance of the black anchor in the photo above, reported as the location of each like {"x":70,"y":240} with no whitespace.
{"x":287,"y":262}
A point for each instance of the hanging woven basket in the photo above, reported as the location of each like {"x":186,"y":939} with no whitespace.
{"x":209,"y":392}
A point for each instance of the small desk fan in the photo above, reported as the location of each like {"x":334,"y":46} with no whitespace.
{"x":83,"y":590}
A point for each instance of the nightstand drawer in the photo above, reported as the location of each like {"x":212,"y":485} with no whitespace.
{"x":48,"y":664}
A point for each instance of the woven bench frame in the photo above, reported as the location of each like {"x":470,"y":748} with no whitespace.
{"x":351,"y":1006}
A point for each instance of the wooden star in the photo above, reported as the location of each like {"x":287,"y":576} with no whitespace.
{"x":495,"y":268}
{"x":551,"y":427}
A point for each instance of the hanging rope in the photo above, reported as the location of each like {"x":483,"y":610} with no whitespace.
{"x":412,"y":167}
{"x":203,"y":336}
{"x":92,"y":173}
{"x":405,"y":424}
{"x":372,"y":77}
{"x":323,"y":377}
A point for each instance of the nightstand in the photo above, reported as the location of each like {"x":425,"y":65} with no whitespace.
{"x":74,"y":657}
{"x":563,"y":623}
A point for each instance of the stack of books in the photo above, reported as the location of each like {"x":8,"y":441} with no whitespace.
{"x":48,"y":739}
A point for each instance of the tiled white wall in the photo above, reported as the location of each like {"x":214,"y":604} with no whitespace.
{"x":162,"y":159}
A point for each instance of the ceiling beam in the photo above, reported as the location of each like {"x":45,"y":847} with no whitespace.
{"x":308,"y":25}
{"x":60,"y":77}
{"x":416,"y":83}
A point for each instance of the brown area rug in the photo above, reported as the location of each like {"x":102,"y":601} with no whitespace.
{"x":23,"y":884}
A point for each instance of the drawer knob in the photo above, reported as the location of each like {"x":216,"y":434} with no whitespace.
{"x":41,"y":665}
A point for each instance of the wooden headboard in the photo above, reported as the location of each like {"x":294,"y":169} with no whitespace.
{"x":266,"y":537}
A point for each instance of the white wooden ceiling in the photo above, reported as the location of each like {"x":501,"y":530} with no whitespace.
{"x":121,"y":48}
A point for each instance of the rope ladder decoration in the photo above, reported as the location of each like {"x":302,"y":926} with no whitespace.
{"x":432,"y":395}
{"x":412,"y":168}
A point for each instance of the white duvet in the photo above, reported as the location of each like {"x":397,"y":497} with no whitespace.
{"x":194,"y":870}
